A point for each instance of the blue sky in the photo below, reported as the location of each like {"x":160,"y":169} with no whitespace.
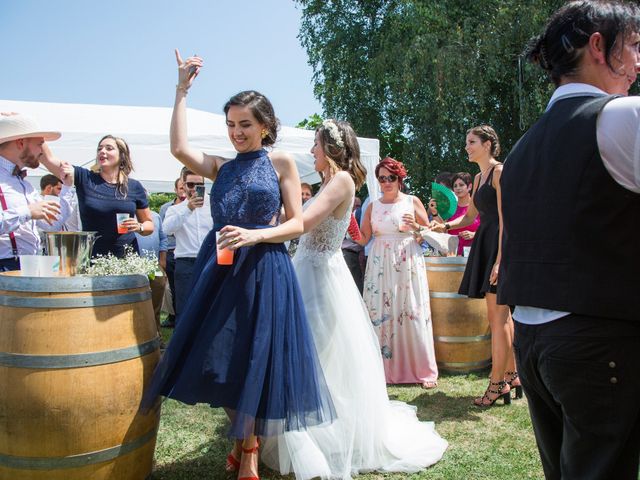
{"x":120,"y":52}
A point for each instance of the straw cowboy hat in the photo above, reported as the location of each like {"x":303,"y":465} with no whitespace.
{"x":14,"y":126}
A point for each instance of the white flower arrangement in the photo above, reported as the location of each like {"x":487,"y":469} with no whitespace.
{"x":334,"y":132}
{"x":130,"y":264}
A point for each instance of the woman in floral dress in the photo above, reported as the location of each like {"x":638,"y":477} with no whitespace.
{"x":395,"y":285}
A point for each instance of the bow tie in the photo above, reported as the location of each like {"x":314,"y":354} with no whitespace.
{"x":19,"y":173}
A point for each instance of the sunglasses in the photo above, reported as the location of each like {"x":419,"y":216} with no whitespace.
{"x":387,"y":178}
{"x":193,"y":184}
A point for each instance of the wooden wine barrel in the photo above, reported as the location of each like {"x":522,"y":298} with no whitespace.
{"x":460,"y":328}
{"x":75,"y":356}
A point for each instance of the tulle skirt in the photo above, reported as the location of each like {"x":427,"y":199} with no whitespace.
{"x":243,"y":342}
{"x":371,"y":432}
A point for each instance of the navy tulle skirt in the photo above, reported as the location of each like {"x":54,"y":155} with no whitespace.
{"x":243,"y":343}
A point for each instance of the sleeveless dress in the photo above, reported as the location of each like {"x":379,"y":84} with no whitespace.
{"x":244,"y":342}
{"x":397,"y":296}
{"x":484,"y":250}
{"x":371,"y":432}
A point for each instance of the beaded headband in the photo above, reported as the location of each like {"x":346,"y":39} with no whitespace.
{"x":334,"y":132}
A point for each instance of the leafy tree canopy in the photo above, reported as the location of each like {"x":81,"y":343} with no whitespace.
{"x":417,"y":73}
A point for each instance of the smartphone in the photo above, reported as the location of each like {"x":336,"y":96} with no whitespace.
{"x":200,"y":191}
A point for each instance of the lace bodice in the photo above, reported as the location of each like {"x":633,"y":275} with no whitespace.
{"x":325,"y":240}
{"x":246,"y":192}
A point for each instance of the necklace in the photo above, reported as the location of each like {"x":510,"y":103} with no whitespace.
{"x":483,"y":172}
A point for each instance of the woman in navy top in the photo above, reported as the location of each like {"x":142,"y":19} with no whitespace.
{"x":108,"y":191}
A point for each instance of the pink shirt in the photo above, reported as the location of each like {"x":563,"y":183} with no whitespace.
{"x":460,"y":211}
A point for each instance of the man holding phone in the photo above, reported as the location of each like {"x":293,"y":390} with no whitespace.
{"x":189,"y":221}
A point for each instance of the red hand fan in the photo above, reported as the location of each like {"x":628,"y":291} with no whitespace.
{"x":353,"y":229}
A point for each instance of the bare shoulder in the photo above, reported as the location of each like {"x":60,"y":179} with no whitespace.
{"x":343,"y":178}
{"x":497,"y":173}
{"x":342,"y":183}
{"x":416,"y":201}
{"x":282,"y":161}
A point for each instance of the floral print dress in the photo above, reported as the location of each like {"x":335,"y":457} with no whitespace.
{"x":397,"y":297}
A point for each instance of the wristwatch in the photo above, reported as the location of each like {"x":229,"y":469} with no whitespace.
{"x":447,"y":226}
{"x":141,"y":227}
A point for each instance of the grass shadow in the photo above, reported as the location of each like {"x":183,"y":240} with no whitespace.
{"x":206,"y":460}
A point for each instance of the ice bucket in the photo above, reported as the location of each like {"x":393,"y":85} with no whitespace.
{"x":74,"y":249}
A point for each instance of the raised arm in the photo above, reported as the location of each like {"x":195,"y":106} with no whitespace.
{"x":61,"y":169}
{"x":195,"y":160}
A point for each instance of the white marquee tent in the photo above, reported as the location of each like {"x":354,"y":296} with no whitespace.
{"x":146,"y":130}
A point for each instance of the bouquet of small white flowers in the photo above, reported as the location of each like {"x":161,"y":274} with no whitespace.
{"x":130,"y":264}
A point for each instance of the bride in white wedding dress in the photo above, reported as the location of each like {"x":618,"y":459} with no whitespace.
{"x":371,"y":432}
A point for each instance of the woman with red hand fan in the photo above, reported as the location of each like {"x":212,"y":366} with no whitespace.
{"x":370,"y":432}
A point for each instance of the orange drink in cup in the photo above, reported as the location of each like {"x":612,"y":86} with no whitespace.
{"x":120,"y":218}
{"x":225,"y":256}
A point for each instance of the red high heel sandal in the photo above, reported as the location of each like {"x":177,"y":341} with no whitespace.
{"x":233,"y":463}
{"x":252,"y":451}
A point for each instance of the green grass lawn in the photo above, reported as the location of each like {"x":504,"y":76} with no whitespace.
{"x":492,"y":443}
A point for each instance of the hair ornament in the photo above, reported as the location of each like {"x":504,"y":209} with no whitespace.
{"x":566,"y":44}
{"x":334,"y":132}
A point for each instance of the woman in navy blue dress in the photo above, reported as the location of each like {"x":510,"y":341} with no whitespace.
{"x":244,"y":343}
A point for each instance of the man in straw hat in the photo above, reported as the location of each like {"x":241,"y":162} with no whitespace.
{"x":22,"y":209}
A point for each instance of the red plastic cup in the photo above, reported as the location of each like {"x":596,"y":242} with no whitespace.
{"x":225,"y":256}
{"x":120,"y":218}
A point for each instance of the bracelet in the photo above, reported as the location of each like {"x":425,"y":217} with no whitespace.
{"x":447,"y":226}
{"x":180,"y":88}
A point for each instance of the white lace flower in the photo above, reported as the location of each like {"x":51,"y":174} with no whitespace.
{"x":334,"y":132}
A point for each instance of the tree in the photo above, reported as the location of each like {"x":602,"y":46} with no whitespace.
{"x":311,"y":122}
{"x":417,"y":74}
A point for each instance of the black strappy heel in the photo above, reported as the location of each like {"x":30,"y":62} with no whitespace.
{"x":519,"y":392}
{"x":506,"y":396}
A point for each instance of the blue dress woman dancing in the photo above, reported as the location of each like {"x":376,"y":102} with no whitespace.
{"x":244,"y":342}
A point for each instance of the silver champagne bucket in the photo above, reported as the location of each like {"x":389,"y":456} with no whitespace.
{"x":74,"y":249}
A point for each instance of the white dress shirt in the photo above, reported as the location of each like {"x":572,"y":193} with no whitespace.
{"x":18,"y":194}
{"x":189,"y":227}
{"x":618,"y":132}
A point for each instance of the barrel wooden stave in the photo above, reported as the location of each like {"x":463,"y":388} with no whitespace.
{"x":112,"y":326}
{"x":50,"y":413}
{"x":62,"y":405}
{"x":134,"y":465}
{"x":461,"y":333}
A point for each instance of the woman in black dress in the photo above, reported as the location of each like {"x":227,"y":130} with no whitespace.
{"x":481,"y":275}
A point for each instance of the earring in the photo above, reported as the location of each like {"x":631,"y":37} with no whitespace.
{"x":264,"y":133}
